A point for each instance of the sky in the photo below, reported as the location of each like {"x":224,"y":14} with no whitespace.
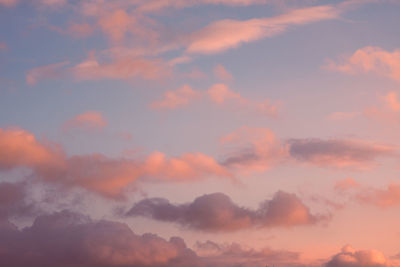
{"x":199,"y":133}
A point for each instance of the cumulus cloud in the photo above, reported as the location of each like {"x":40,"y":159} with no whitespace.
{"x":338,"y":153}
{"x":349,"y":257}
{"x":217,"y":212}
{"x":69,"y":239}
{"x":370,"y":59}
{"x":87,"y":120}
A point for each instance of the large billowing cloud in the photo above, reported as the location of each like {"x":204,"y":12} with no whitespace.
{"x":217,"y":212}
{"x":339,"y":153}
{"x":349,"y":257}
{"x":68,"y":239}
{"x":371,"y":59}
{"x":97,"y":172}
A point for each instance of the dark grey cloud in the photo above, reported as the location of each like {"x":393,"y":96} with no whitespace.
{"x":337,"y":152}
{"x":217,"y":212}
{"x":67,"y":239}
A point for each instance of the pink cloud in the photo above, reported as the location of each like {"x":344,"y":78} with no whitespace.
{"x":370,"y":59}
{"x":392,"y":101}
{"x":225,"y":34}
{"x":115,"y":24}
{"x":178,"y":98}
{"x":252,"y":149}
{"x":46,"y":72}
{"x":221,"y":73}
{"x":120,"y":68}
{"x":87,"y":120}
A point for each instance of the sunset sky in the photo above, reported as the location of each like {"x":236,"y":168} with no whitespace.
{"x":199,"y":133}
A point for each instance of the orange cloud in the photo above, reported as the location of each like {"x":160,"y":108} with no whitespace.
{"x":178,"y":98}
{"x":225,"y":34}
{"x":20,"y":148}
{"x":87,"y":120}
{"x":392,"y":101}
{"x":381,"y":197}
{"x":370,"y":59}
{"x":358,"y":258}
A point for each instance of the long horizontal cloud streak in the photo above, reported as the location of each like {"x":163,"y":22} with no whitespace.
{"x":216,"y":212}
{"x":96,"y":172}
{"x":224,"y":34}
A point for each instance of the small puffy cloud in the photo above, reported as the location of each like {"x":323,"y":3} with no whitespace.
{"x":349,"y":257}
{"x":217,"y":212}
{"x":250,"y":148}
{"x":115,"y":24}
{"x":87,"y":120}
{"x":338,"y":153}
{"x":221,"y":73}
{"x":370,"y":59}
{"x":178,"y":98}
